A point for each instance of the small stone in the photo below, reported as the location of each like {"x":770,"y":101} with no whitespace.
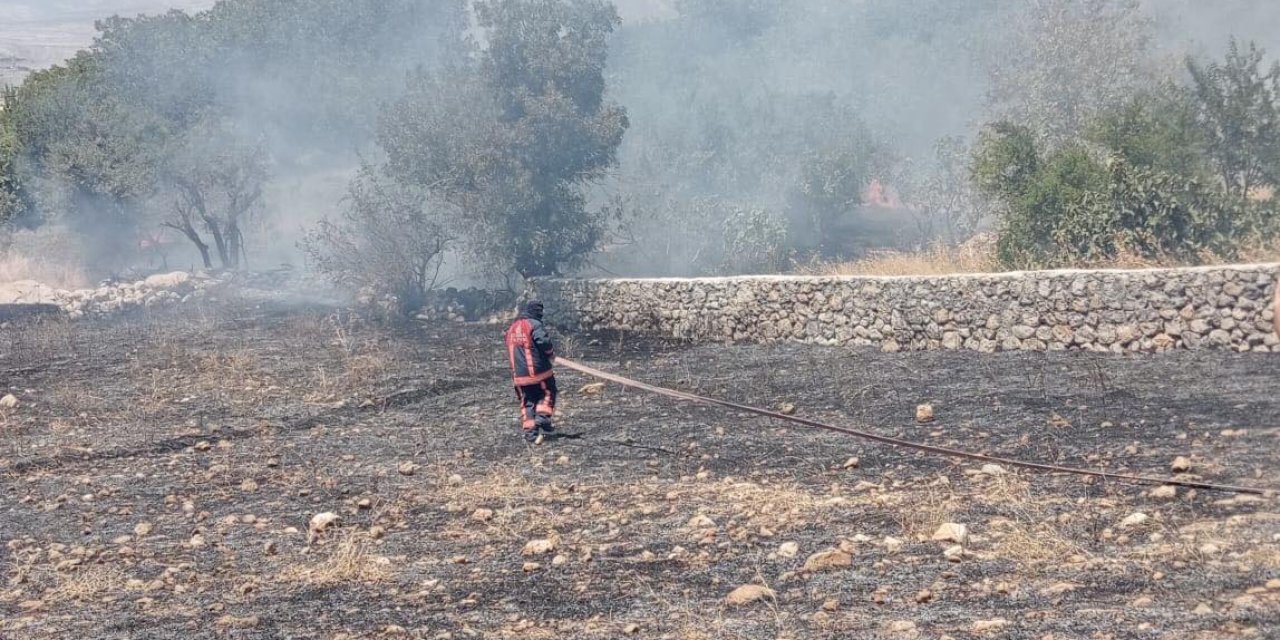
{"x":142,"y":529}
{"x":377,"y":532}
{"x":1142,"y":602}
{"x":1136,"y":519}
{"x":954,"y":553}
{"x":851,"y":463}
{"x":530,"y":567}
{"x":1181,"y":464}
{"x":1165,"y":492}
{"x":203,"y":445}
{"x":320,"y":523}
{"x":482,"y":515}
{"x":233,"y":622}
{"x":364,"y":503}
{"x":951,"y":532}
{"x":747,"y":594}
{"x":788,"y":549}
{"x":541,"y":546}
{"x":394,"y":630}
{"x":455,"y":480}
{"x":9,"y":401}
{"x":902,"y":626}
{"x":196,"y":541}
{"x":1203,"y":609}
{"x":631,"y":629}
{"x":892,"y":544}
{"x":248,"y":485}
{"x":787,"y":409}
{"x":824,"y":560}
{"x":924,"y":413}
{"x":560,"y":560}
{"x":407,"y":468}
{"x":701,"y":522}
{"x":923,"y":596}
{"x":270,"y":548}
{"x":989,"y":626}
{"x":993,"y":470}
{"x":592,"y":389}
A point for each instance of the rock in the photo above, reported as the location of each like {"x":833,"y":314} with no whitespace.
{"x":1181,"y":464}
{"x":377,"y":532}
{"x":989,"y":626}
{"x":482,"y":515}
{"x":1164,"y":492}
{"x":993,"y":470}
{"x":701,"y":522}
{"x":530,"y":567}
{"x":954,"y":553}
{"x":851,"y":463}
{"x":407,"y":468}
{"x":1142,"y":602}
{"x":560,"y":560}
{"x":923,"y":596}
{"x":824,"y":560}
{"x":455,"y":480}
{"x":320,"y":523}
{"x":196,"y":541}
{"x":892,"y":544}
{"x":787,"y":409}
{"x":902,"y":626}
{"x":631,"y":629}
{"x":203,"y":445}
{"x":9,"y":401}
{"x":924,"y":413}
{"x":142,"y":529}
{"x":595,"y":388}
{"x":1203,"y":609}
{"x":1136,"y":519}
{"x":541,"y":546}
{"x":747,"y":594}
{"x":168,"y":280}
{"x":951,"y":532}
{"x":233,"y":622}
{"x":788,"y":549}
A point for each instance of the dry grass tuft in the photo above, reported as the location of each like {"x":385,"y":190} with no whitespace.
{"x":350,"y":561}
{"x":1033,"y":545}
{"x":978,"y":255}
{"x":922,"y":512}
{"x":975,"y":256}
{"x":85,"y":583}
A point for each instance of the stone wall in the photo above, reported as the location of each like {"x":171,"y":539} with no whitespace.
{"x":1143,"y":310}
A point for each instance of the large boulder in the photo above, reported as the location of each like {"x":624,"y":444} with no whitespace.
{"x":172,"y":280}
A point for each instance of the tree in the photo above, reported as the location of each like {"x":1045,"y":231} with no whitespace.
{"x":1155,"y":130}
{"x":390,"y":239}
{"x":1240,"y":117}
{"x":515,"y":142}
{"x":216,"y":185}
{"x":943,"y":196}
{"x":1036,"y":190}
{"x":1067,"y":61}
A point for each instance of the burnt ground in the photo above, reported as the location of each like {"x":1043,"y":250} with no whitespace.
{"x":159,"y":474}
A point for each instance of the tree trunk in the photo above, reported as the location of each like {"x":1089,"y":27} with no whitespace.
{"x":220,"y":241}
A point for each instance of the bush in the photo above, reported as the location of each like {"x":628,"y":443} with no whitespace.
{"x":389,"y":241}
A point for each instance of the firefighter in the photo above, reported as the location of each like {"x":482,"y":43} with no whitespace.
{"x":531,"y":354}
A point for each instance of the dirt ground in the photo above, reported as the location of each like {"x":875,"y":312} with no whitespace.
{"x":159,"y":475}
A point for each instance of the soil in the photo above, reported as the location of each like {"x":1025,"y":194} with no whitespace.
{"x":159,"y":473}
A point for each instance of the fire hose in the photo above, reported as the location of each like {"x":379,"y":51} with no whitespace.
{"x":906,"y":444}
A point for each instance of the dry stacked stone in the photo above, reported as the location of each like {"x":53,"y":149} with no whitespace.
{"x":1116,"y":311}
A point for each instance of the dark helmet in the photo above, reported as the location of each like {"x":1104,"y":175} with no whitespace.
{"x":533,"y":309}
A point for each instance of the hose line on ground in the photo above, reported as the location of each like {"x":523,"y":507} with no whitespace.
{"x":898,"y":442}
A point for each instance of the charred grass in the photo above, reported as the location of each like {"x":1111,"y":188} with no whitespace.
{"x":161,"y":472}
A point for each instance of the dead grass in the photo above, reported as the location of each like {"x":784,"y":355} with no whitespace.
{"x":921,"y":512}
{"x":978,"y":256}
{"x":85,"y":583}
{"x":14,"y":267}
{"x":350,"y":561}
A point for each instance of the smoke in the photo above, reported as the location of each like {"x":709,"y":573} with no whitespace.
{"x":739,"y":109}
